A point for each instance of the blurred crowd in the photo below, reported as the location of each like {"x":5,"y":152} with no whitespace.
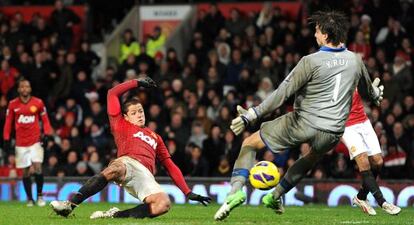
{"x":236,"y":60}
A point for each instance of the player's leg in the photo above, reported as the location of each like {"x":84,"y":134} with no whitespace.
{"x":376,"y":162}
{"x":368,"y":183}
{"x":39,"y":183}
{"x":241,"y":168}
{"x":321,"y":142}
{"x":114,"y":172}
{"x":154,"y":205}
{"x":37,"y":154}
{"x":140,"y":183}
{"x":23,"y":161}
{"x":27,"y":184}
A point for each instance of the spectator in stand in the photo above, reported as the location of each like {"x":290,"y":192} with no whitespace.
{"x":223,"y":169}
{"x":87,"y":59}
{"x":197,"y":166}
{"x":156,"y":42}
{"x":360,"y":46}
{"x":62,"y":21}
{"x":129,"y":46}
{"x":8,"y":77}
{"x":213,"y":147}
{"x":236,"y":23}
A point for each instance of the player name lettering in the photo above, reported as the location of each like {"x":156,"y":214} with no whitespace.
{"x":336,"y":62}
{"x":146,"y":138}
{"x":26,"y":119}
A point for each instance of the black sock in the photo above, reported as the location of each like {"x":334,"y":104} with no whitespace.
{"x":140,"y":211}
{"x":27,"y":184}
{"x":363,"y":192}
{"x":370,"y":183}
{"x":39,"y":183}
{"x":94,"y":185}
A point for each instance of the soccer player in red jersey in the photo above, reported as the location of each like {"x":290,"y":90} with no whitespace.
{"x":138,"y":147}
{"x":363,"y":146}
{"x":24,"y":112}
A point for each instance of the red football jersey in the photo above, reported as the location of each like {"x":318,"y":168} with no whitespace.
{"x":357,"y":114}
{"x":140,"y":143}
{"x":26,"y":121}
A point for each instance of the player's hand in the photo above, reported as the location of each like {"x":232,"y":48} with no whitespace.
{"x":195,"y":197}
{"x":45,"y":140}
{"x":378,"y":91}
{"x":245,"y":118}
{"x":146,"y":82}
{"x":7,"y":148}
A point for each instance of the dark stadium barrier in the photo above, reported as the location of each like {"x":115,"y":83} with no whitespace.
{"x":329,"y":192}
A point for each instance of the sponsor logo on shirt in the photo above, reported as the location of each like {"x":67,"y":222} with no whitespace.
{"x":26,"y":119}
{"x":146,"y":139}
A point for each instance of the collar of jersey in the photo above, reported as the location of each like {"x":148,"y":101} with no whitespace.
{"x":328,"y":49}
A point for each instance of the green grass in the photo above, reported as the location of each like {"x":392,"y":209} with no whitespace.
{"x":15,"y":213}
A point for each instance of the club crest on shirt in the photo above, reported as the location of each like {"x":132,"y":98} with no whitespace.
{"x":147,"y":139}
{"x":33,"y":109}
{"x":353,"y":149}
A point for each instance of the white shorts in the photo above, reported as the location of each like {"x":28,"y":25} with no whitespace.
{"x":139,"y":181}
{"x":28,"y":154}
{"x":360,"y":138}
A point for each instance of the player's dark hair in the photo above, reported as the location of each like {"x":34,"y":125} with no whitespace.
{"x":128,"y":102}
{"x":333,"y":23}
{"x":22,"y":79}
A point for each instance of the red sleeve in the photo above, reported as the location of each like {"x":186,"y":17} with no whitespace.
{"x":113,"y":104}
{"x":176,"y":175}
{"x":8,"y":123}
{"x":47,"y":128}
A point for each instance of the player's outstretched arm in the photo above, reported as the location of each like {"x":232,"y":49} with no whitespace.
{"x":178,"y":178}
{"x":113,"y":104}
{"x":370,"y":91}
{"x":298,"y":77}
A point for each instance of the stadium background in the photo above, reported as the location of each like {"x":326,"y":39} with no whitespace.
{"x":206,"y":60}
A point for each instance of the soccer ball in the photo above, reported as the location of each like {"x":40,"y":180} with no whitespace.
{"x":264,"y":175}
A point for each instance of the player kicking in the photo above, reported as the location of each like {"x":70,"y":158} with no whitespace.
{"x":363,"y":146}
{"x":138,"y":147}
{"x":25,"y":111}
{"x":323,"y":83}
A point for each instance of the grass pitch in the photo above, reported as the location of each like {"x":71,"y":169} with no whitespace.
{"x":16,"y":213}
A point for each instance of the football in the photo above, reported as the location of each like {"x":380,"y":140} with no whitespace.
{"x":264,"y":175}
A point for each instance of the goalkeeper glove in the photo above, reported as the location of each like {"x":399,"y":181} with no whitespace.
{"x":378,"y":91}
{"x":146,"y":82}
{"x":195,"y":197}
{"x":245,"y":118}
{"x":46,"y":139}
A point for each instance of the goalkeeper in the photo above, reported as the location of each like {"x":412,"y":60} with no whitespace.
{"x":323,"y":84}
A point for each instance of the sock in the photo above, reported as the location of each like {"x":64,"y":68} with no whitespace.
{"x":94,"y":185}
{"x":241,"y":169}
{"x":370,"y":183}
{"x":39,"y":183}
{"x":281,"y":188}
{"x":293,"y":175}
{"x":140,"y":211}
{"x":27,"y":184}
{"x":363,"y":192}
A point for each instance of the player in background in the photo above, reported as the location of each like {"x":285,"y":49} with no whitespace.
{"x":323,"y":83}
{"x":138,"y":147}
{"x":24,"y":112}
{"x":363,"y":146}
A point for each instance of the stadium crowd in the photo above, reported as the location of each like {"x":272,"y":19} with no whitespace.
{"x":235,"y":60}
